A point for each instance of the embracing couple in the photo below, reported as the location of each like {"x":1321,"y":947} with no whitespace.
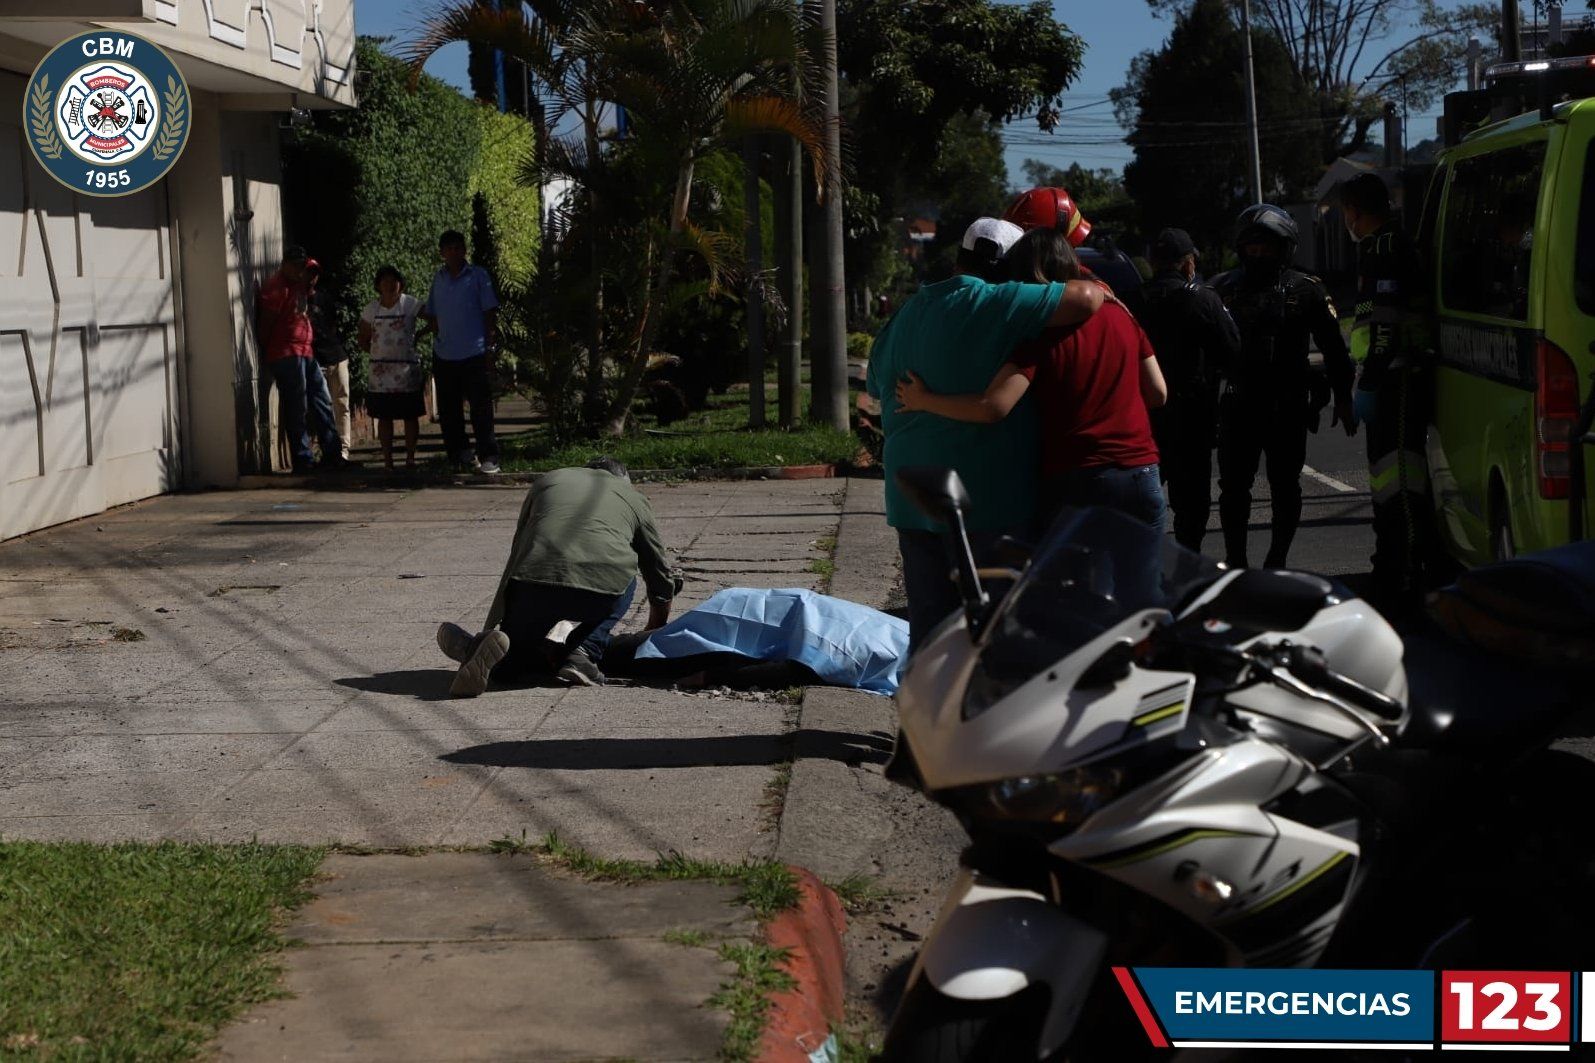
{"x":1029,"y":379}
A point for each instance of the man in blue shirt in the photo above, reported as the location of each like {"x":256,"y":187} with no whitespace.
{"x":955,"y":335}
{"x":463,"y":310}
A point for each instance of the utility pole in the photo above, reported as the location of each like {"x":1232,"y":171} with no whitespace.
{"x":789,"y":253}
{"x":753,"y":240}
{"x":1511,"y":31}
{"x":829,"y":360}
{"x":1251,"y":105}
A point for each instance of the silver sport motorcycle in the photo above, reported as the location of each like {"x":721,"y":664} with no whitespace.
{"x":1161,"y":762}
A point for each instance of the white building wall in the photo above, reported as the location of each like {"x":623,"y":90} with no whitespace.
{"x":128,"y":362}
{"x":89,"y":341}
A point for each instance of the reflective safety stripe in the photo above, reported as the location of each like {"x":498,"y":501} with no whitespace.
{"x":1397,"y":471}
{"x":1361,"y":341}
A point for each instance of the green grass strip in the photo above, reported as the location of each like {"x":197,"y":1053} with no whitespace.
{"x":816,"y":445}
{"x":747,"y":995}
{"x":717,"y":437}
{"x":767,"y":887}
{"x":137,"y":951}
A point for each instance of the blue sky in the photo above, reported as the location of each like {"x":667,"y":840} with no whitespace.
{"x":1114,"y":32}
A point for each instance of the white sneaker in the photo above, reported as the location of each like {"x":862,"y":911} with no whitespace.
{"x":490,"y":467}
{"x":473,"y":675}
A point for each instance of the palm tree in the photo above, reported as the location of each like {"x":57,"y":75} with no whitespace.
{"x":694,"y":76}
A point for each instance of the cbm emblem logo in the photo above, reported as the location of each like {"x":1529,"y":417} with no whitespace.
{"x":107,"y":113}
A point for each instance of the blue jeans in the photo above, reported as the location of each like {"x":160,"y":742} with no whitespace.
{"x":930,"y":577}
{"x":1137,"y":491}
{"x":530,"y":609}
{"x":302,"y":396}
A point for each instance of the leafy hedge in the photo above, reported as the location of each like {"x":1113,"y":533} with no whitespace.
{"x":377,"y":184}
{"x":512,"y":208}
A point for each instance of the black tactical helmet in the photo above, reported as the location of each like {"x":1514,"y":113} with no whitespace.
{"x":1266,"y":221}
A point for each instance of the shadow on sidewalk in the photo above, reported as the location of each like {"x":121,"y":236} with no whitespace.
{"x":423,"y":684}
{"x":594,"y":754}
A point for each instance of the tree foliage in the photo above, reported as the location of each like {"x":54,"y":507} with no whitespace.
{"x":925,"y":85}
{"x":967,"y":180}
{"x":1100,"y":194}
{"x":376,"y":185}
{"x":1354,"y":56}
{"x":694,"y":76}
{"x":1191,"y":166}
{"x":511,"y":206}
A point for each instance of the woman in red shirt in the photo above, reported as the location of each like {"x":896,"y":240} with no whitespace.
{"x":1094,"y":383}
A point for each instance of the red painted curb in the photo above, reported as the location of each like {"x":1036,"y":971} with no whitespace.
{"x":800,"y":1019}
{"x":806,"y":472}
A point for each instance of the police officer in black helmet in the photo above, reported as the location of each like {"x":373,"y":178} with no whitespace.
{"x":1270,"y":402}
{"x":1196,"y":343}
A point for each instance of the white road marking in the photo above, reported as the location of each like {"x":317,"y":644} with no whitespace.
{"x":1327,"y":481}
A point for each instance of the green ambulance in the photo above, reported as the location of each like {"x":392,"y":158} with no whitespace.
{"x":1509,"y":235}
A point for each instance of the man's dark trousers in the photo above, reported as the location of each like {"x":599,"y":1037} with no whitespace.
{"x":305,"y":405}
{"x":531,"y":609}
{"x":1277,"y":431}
{"x":1186,"y":431}
{"x":929,"y":577}
{"x":1398,"y":475}
{"x":467,"y":380}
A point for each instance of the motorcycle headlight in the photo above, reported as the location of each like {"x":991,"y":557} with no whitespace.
{"x":1066,"y":798}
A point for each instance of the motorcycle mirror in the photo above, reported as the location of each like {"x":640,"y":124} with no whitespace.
{"x":940,"y":495}
{"x":935,"y":490}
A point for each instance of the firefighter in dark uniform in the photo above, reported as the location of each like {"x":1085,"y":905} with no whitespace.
{"x":1196,"y":343}
{"x":1270,"y":401}
{"x":1390,"y":340}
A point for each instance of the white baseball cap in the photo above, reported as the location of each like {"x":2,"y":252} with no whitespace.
{"x":991,"y":238}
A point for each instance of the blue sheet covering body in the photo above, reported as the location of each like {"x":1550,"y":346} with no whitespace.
{"x":846,"y":644}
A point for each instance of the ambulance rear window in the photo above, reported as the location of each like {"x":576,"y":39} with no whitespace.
{"x":1584,"y":256}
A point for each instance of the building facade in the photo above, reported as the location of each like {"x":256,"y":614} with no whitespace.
{"x":128,"y":364}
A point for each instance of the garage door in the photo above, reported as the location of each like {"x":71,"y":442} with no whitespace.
{"x":88,"y":342}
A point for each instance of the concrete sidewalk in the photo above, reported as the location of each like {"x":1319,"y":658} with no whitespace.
{"x":471,"y":956}
{"x":261,"y":664}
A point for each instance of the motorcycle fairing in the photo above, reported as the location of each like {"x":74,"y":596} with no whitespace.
{"x":1047,"y":720}
{"x":1287,"y":882}
{"x":991,"y":942}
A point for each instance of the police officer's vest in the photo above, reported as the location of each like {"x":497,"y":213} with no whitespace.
{"x":1167,"y":307}
{"x":1274,"y":321}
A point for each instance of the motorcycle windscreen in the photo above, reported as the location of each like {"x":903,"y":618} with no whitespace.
{"x":1095,"y":568}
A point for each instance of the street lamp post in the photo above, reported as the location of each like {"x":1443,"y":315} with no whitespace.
{"x":1251,"y":105}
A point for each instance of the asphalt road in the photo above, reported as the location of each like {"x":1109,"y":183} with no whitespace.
{"x":1336,"y":534}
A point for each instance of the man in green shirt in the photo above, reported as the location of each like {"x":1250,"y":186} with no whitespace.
{"x":582,"y":537}
{"x":955,"y":335}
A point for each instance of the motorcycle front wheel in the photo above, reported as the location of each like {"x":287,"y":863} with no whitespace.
{"x":931,"y":1027}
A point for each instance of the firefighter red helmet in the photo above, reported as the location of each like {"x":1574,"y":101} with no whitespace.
{"x":1049,"y":208}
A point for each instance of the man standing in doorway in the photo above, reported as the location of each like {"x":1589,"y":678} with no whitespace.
{"x":463,"y":310}
{"x":1392,"y":396}
{"x":1196,"y":343}
{"x":284,"y":329}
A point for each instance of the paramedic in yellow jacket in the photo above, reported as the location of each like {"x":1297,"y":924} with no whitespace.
{"x":1394,"y":388}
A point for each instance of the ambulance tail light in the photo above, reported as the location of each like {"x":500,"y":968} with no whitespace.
{"x":1555,"y":417}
